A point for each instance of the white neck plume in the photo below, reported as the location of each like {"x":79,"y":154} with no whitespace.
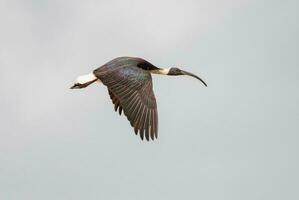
{"x":161,"y":71}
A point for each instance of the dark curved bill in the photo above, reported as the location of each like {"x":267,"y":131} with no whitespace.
{"x":193,"y":75}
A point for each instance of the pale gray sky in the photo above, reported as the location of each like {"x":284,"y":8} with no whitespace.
{"x":236,"y":139}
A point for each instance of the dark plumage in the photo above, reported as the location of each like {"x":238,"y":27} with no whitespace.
{"x":130,"y":87}
{"x":129,"y":84}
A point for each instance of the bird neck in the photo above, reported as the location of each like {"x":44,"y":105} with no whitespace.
{"x":160,"y":71}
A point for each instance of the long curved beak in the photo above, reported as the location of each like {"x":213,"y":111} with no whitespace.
{"x":193,"y":75}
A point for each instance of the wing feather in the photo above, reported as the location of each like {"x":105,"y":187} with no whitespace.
{"x":131,"y":91}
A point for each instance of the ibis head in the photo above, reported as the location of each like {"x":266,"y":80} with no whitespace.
{"x":174,"y":71}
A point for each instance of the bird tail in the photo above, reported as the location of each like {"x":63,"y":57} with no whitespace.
{"x":84,"y":81}
{"x":88,"y":78}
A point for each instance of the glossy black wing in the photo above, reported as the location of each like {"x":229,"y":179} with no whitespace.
{"x":131,"y":91}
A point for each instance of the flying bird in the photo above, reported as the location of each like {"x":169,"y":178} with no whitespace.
{"x":130,"y":87}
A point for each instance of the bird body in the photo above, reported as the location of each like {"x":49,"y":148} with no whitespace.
{"x":129,"y":84}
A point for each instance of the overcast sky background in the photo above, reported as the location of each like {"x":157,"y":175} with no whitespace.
{"x":236,"y":139}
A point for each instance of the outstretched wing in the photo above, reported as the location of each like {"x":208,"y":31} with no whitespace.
{"x":131,"y":91}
